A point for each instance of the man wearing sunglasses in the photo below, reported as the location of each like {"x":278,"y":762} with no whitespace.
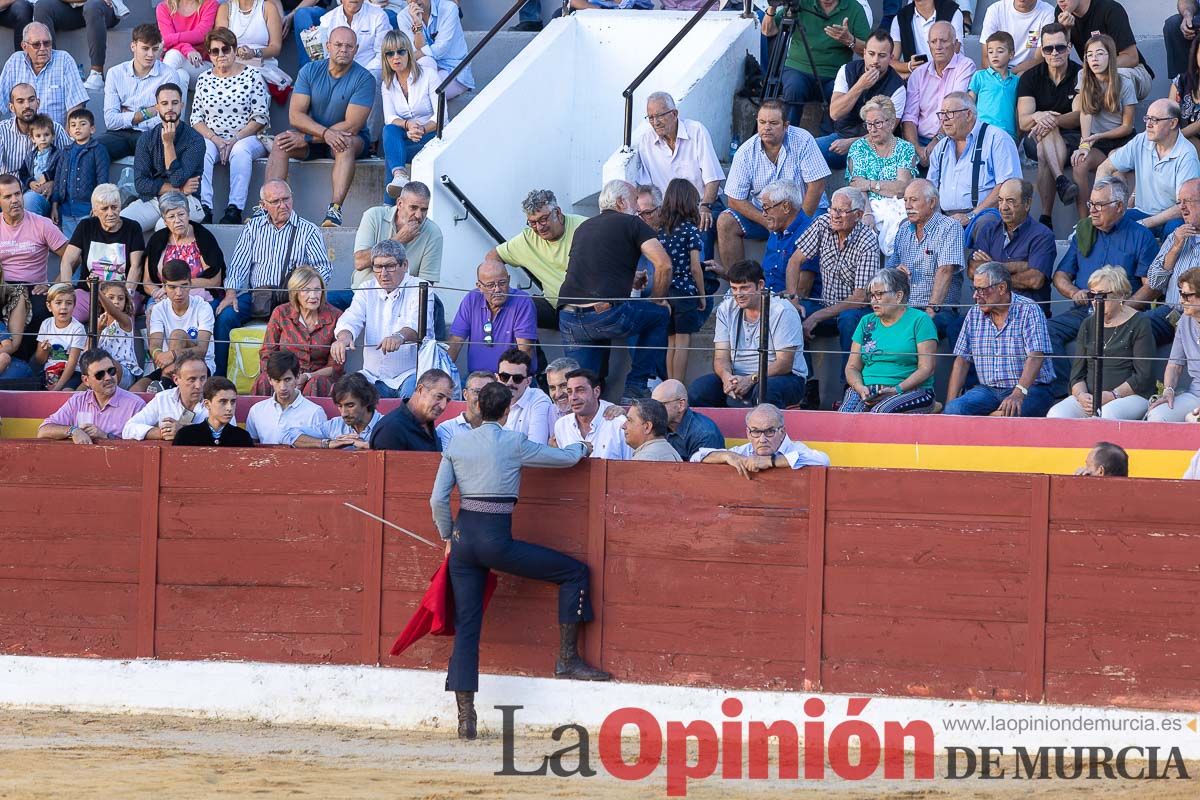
{"x":532,"y":412}
{"x":1045,"y":96}
{"x":769,"y":446}
{"x":98,"y":413}
{"x":491,"y":319}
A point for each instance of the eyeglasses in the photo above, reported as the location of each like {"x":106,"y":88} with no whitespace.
{"x":45,"y":44}
{"x":767,"y":209}
{"x":487,"y":332}
{"x":762,"y":433}
{"x":279,"y":201}
{"x":985,"y":289}
{"x":509,"y":377}
{"x":648,"y":212}
{"x":394,"y":53}
{"x":1187,"y":297}
{"x":1091,"y":206}
{"x":879,"y":295}
{"x":879,"y":123}
{"x":494,"y":285}
{"x":653,"y":118}
{"x":943,"y":115}
{"x":837,"y":212}
{"x":392,"y":267}
{"x":1051,"y":49}
{"x":220,"y":51}
{"x":1149,"y":120}
{"x":100,"y":375}
{"x":540,"y":222}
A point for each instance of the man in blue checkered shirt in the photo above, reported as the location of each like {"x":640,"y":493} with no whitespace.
{"x":1005,"y":337}
{"x":777,"y":152}
{"x":929,"y":247}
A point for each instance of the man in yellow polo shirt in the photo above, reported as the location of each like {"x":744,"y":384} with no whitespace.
{"x":541,"y":249}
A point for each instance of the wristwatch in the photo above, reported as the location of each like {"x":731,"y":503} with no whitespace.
{"x":325,"y":444}
{"x":1022,"y":390}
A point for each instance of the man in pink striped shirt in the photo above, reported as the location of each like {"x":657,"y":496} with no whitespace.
{"x":947,"y":71}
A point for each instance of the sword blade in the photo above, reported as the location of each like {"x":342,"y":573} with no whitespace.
{"x":405,"y":531}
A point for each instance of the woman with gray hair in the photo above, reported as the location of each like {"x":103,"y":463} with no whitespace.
{"x":185,"y":241}
{"x":891,"y":364}
{"x":881,"y":164}
{"x":106,"y":244}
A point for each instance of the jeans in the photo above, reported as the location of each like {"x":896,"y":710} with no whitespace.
{"x":802,"y":87}
{"x":340,"y":298}
{"x":1162,"y":231}
{"x":17,"y":368}
{"x":20,"y":14}
{"x":95,"y":15}
{"x":241,"y":162}
{"x":1063,"y":329}
{"x":407,"y":387}
{"x":37,"y":203}
{"x":302,"y":20}
{"x":844,"y":325}
{"x":69,"y":224}
{"x":399,"y":151}
{"x":530,"y":12}
{"x":948,"y":323}
{"x":783,"y":391}
{"x":834,"y":160}
{"x":120,"y":143}
{"x":482,"y":542}
{"x":982,"y":400}
{"x":233,"y":317}
{"x":643,"y":324}
{"x":1164,"y":331}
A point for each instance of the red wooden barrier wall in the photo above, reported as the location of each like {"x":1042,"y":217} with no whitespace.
{"x":960,"y":585}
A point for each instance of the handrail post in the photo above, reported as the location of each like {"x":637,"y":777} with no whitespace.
{"x":1098,"y":361}
{"x":472,"y":210}
{"x":658,"y":59}
{"x":423,"y":311}
{"x":450,"y":77}
{"x":764,"y":341}
{"x":94,"y":311}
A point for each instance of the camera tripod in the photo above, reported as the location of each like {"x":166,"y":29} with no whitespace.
{"x":773,"y":83}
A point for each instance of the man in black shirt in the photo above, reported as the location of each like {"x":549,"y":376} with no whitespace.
{"x":593,"y":300}
{"x":220,"y":401}
{"x":410,"y":426}
{"x":1085,"y":17}
{"x":1045,"y":94}
{"x":856,"y":83}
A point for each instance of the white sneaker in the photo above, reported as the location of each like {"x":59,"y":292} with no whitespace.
{"x":94,"y":82}
{"x":399,"y":181}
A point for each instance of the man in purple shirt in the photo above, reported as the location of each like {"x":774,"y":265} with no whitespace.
{"x":493,"y":318}
{"x":99,"y":413}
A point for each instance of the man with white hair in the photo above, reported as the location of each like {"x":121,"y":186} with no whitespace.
{"x":51,"y":72}
{"x":776,"y":152}
{"x":968,"y":165}
{"x":946,"y":71}
{"x":593,"y":300}
{"x":784,"y":218}
{"x":769,"y":447}
{"x":674,"y":147}
{"x":844,"y":252}
{"x":929,"y":247}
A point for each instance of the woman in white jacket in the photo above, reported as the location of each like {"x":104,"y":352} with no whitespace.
{"x":409,"y":106}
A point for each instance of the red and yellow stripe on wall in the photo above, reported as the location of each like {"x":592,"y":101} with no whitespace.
{"x":934,"y":442}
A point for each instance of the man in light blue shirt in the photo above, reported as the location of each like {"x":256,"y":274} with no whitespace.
{"x":51,"y":72}
{"x":356,"y":400}
{"x":1161,"y":160}
{"x":968,"y":166}
{"x":485,"y":464}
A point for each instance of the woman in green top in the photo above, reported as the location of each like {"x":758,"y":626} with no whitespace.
{"x":890,"y":370}
{"x":1128,"y":355}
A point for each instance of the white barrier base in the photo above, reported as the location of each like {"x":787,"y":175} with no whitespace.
{"x":415,"y":699}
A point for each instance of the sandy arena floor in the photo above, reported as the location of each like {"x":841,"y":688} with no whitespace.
{"x":53,"y":755}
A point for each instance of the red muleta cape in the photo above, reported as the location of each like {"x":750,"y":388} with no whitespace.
{"x":435,"y":614}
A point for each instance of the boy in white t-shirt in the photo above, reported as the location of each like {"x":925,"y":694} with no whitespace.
{"x":181,"y":322}
{"x":61,"y":338}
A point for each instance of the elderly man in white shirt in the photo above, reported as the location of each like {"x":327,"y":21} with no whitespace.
{"x":532,"y":412}
{"x":170,"y":410}
{"x":357,"y":417}
{"x":672,"y":148}
{"x":471,"y":417}
{"x":769,"y":446}
{"x":385,"y":311}
{"x":269,"y":420}
{"x":588,"y":421}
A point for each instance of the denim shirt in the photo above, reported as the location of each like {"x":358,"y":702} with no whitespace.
{"x":81,"y":168}
{"x":486,"y":462}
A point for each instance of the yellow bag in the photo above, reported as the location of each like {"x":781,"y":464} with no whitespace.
{"x":244,"y":344}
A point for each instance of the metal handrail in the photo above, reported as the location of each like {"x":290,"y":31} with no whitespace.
{"x":658,"y":59}
{"x":487,"y":37}
{"x":471,"y":209}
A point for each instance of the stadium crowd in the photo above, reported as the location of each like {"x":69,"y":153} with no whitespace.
{"x":932,"y":146}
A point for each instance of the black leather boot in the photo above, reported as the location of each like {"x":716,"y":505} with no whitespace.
{"x":466,"y":714}
{"x":569,"y":664}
